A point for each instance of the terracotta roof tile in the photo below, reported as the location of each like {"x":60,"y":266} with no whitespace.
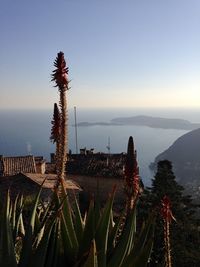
{"x":14,"y":165}
{"x":50,"y":181}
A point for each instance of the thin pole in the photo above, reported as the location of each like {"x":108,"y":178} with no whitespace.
{"x":76,"y":136}
{"x":108,"y":147}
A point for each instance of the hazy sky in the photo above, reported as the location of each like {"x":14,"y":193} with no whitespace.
{"x":120,"y":53}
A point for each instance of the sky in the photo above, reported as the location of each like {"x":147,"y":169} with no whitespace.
{"x":120,"y":53}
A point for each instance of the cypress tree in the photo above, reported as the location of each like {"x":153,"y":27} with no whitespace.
{"x":184,"y":233}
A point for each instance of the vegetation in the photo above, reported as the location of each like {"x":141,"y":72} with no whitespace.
{"x":57,"y":235}
{"x":184,"y":233}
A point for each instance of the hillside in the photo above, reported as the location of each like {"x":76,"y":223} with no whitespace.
{"x":157,"y":122}
{"x":185,"y":156}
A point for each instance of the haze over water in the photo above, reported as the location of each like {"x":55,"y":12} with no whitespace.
{"x":27,"y":132}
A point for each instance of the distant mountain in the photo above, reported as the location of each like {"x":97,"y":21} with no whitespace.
{"x":185,"y":157}
{"x":153,"y":122}
{"x":156,"y":122}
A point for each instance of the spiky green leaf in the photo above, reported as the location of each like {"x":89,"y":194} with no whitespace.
{"x":88,"y":233}
{"x":92,"y":258}
{"x":7,"y":254}
{"x":101,"y":236}
{"x":121,"y":250}
{"x":28,"y":239}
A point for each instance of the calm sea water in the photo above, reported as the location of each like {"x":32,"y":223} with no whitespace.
{"x":27,"y":132}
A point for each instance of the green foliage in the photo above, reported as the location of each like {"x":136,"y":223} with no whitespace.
{"x":184,"y":233}
{"x":57,"y":235}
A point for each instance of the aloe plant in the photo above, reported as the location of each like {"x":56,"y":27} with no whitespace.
{"x":57,"y":235}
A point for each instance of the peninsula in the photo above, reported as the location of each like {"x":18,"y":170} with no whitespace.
{"x":141,"y":120}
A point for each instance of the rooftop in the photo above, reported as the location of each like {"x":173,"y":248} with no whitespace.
{"x":14,"y":165}
{"x":50,"y":181}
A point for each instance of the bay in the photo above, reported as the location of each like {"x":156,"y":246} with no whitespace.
{"x":25,"y":132}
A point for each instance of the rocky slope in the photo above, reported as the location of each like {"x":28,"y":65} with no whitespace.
{"x":185,"y":157}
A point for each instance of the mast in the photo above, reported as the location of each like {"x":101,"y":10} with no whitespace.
{"x":108,"y":148}
{"x":76,"y":136}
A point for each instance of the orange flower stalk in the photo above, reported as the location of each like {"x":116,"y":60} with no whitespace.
{"x":60,"y":73}
{"x":167,"y":216}
{"x":56,"y":121}
{"x":56,"y":131}
{"x":60,"y":76}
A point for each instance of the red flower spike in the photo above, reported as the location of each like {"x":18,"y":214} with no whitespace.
{"x":166,"y":209}
{"x":60,"y":73}
{"x":56,"y":124}
{"x":131,"y":168}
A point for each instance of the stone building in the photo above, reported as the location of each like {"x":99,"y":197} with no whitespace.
{"x":29,"y":184}
{"x":25,"y":175}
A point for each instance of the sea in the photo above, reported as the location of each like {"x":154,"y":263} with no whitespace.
{"x":27,"y":132}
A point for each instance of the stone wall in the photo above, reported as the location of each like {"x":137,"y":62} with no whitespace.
{"x":102,"y":186}
{"x":98,"y":164}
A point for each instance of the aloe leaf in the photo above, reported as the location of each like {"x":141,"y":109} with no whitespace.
{"x":144,"y":256}
{"x":112,"y":223}
{"x":40,"y":236}
{"x":28,"y":239}
{"x":121,"y":249}
{"x":10,"y":208}
{"x":92,"y":258}
{"x":37,"y":223}
{"x":68,"y":235}
{"x":141,"y":259}
{"x":61,"y":256}
{"x":68,"y":247}
{"x":88,"y":233}
{"x":53,"y":252}
{"x":46,"y":213}
{"x":20,"y":222}
{"x":101,"y":236}
{"x":39,"y":257}
{"x":67,"y":219}
{"x":146,"y":231}
{"x":7,"y":254}
{"x":113,"y":234}
{"x":52,"y":248}
{"x":15,"y":217}
{"x":58,"y":246}
{"x":46,"y":210}
{"x":78,"y":222}
{"x":14,"y":212}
